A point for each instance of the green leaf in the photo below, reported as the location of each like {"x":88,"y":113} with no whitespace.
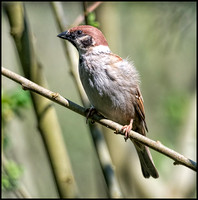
{"x":92,"y":20}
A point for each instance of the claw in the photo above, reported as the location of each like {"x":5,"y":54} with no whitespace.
{"x":126,"y":129}
{"x":90,"y":112}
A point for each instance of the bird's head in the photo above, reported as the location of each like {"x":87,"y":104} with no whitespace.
{"x":84,"y":37}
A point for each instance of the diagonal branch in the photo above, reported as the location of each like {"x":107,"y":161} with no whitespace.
{"x":157,"y":146}
{"x":91,"y":8}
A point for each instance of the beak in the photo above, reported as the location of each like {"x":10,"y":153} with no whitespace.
{"x":63,"y":35}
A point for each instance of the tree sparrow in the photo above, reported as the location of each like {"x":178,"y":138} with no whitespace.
{"x":112,"y":86}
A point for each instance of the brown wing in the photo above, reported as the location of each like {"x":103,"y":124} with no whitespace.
{"x":140,"y":107}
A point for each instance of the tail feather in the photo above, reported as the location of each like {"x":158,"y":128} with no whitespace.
{"x":146,"y":161}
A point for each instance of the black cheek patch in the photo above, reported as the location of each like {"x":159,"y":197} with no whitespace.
{"x":87,"y":42}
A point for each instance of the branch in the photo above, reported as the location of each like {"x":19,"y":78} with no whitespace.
{"x":157,"y":146}
{"x":91,"y":8}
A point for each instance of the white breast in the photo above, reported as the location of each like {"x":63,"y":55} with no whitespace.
{"x":110,"y":88}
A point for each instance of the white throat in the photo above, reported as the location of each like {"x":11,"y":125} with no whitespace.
{"x":100,"y":49}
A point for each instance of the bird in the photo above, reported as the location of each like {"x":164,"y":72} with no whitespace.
{"x":112,"y":85}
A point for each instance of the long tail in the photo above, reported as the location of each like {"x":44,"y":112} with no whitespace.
{"x":146,"y":161}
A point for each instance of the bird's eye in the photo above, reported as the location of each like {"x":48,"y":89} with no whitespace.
{"x":79,"y":32}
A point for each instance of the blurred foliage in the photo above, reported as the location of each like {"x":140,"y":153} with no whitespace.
{"x":11,"y":175}
{"x":12,"y":102}
{"x":177,"y":18}
{"x":92,"y":20}
{"x":175,"y":107}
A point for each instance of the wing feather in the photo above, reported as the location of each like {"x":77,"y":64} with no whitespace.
{"x":140,"y":107}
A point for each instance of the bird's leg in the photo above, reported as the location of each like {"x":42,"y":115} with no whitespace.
{"x":90,"y":112}
{"x":126,"y":129}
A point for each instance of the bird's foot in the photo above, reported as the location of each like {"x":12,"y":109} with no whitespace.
{"x":126,"y":130}
{"x":90,"y":112}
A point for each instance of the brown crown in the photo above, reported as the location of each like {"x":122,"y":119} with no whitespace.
{"x":92,"y":31}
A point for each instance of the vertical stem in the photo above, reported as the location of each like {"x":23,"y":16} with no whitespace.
{"x":46,"y":116}
{"x":85,"y":11}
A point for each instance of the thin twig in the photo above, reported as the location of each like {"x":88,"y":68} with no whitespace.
{"x":157,"y":146}
{"x":91,"y":8}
